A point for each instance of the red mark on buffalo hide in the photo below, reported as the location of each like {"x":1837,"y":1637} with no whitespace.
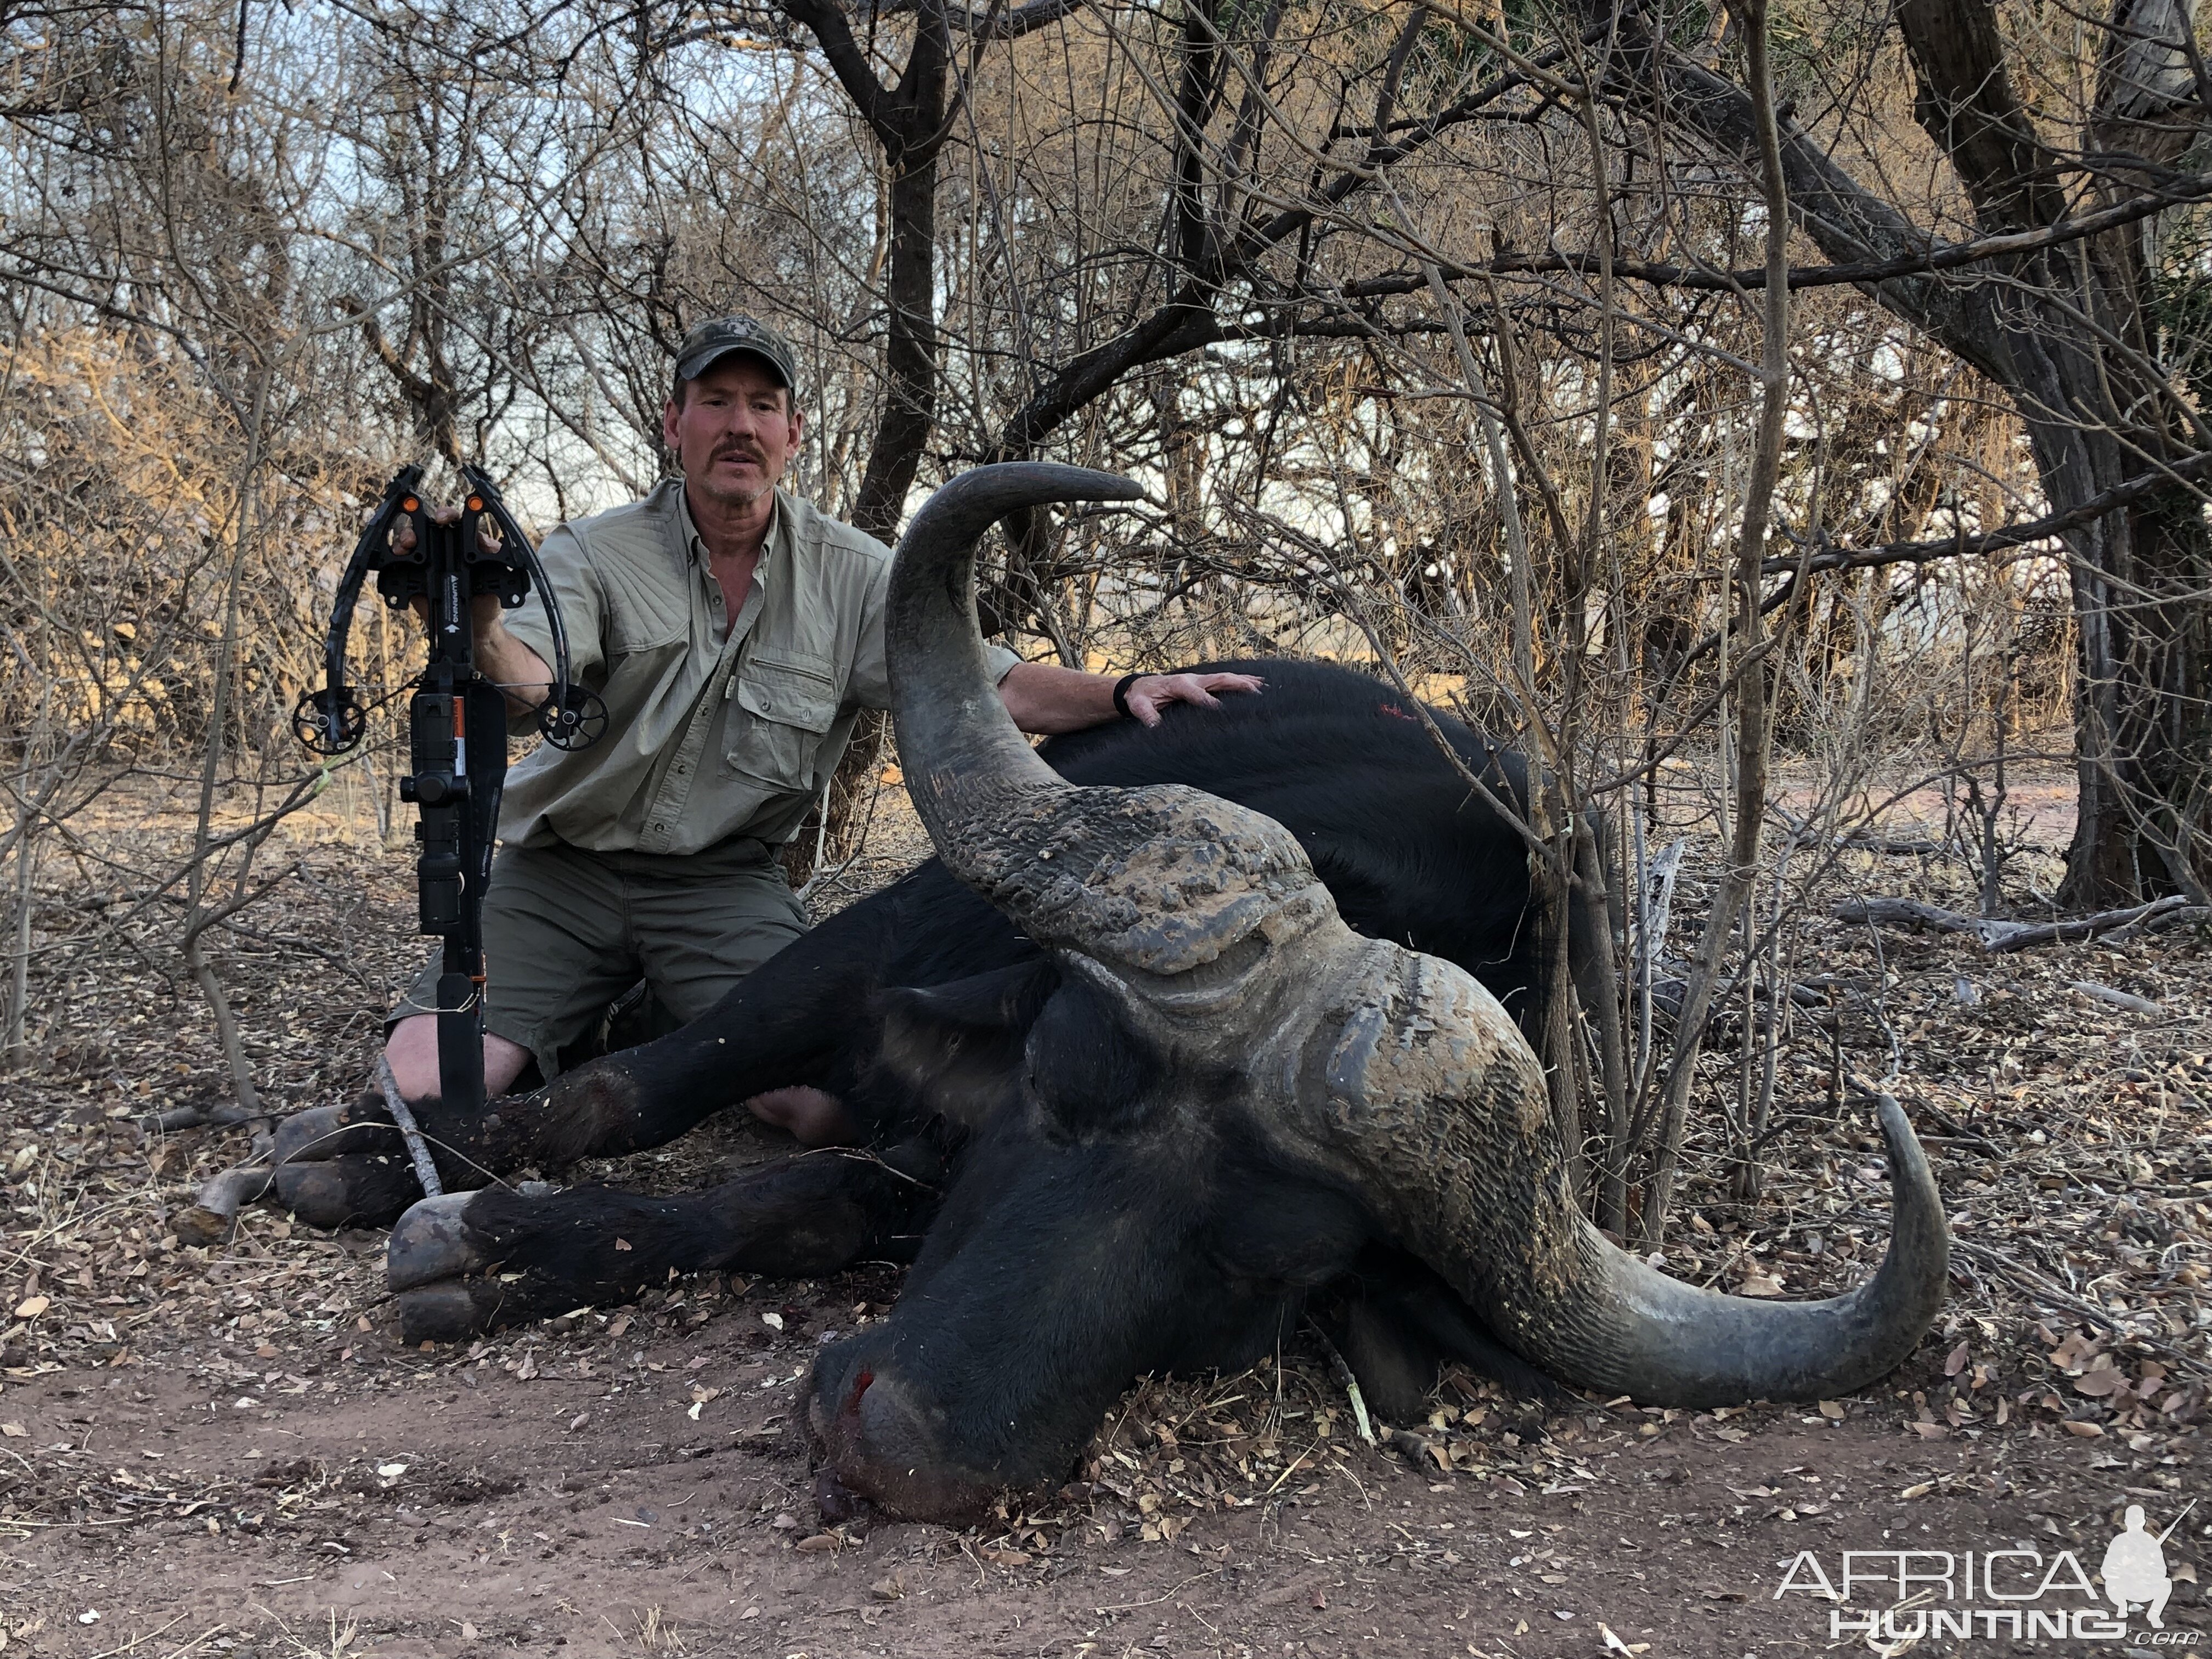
{"x":1393,"y":710}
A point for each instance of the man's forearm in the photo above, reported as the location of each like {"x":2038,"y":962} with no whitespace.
{"x":512,"y":666}
{"x":1046,"y":700}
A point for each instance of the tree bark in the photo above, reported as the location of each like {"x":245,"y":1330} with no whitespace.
{"x":2067,"y":332}
{"x":911,"y":133}
{"x":2081,"y":352}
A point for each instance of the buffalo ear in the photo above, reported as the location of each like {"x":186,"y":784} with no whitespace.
{"x":957,"y":1047}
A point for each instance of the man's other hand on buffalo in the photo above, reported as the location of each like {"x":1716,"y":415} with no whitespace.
{"x":1047,"y":700}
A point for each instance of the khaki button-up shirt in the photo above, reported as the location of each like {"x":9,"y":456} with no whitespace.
{"x":717,"y":726}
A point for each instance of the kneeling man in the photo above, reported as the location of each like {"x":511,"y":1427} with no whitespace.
{"x":734,"y":632}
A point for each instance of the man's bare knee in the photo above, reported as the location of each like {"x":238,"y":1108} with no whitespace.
{"x":814,"y":1118}
{"x":412,"y":1048}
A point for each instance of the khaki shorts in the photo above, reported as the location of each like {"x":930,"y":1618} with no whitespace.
{"x":566,"y":932}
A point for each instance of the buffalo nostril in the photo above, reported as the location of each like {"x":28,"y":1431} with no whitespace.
{"x":849,"y":1411}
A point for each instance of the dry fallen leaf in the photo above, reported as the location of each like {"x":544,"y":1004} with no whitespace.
{"x":31,"y":1306}
{"x":820,"y":1543}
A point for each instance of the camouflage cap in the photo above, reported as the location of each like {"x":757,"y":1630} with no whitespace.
{"x":711,"y":342}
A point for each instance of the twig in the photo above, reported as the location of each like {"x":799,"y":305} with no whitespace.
{"x":1998,"y":937}
{"x":426,"y":1170}
{"x":1348,"y":1382}
{"x":194,"y":1117}
{"x":140,"y":1641}
{"x":213,"y":1213}
{"x":2127,"y":1000}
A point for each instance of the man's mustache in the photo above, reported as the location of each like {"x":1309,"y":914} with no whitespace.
{"x":741,"y":452}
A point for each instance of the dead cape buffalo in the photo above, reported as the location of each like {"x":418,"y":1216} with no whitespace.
{"x":1137,"y":1124}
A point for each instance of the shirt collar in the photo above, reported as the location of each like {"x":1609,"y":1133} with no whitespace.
{"x":773,"y":545}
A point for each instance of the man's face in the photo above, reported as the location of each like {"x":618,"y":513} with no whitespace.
{"x":735,"y":432}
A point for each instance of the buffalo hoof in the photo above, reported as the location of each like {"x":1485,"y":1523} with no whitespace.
{"x":452,"y":1311}
{"x":431,"y":1242}
{"x":344,"y":1166}
{"x":840,"y":1506}
{"x":440,"y":1275}
{"x":323,"y":1132}
{"x":348,"y":1192}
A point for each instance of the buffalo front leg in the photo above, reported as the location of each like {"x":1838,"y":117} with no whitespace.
{"x":471,"y":1262}
{"x":778,"y":1029}
{"x":341,"y":1166}
{"x":347,"y":1165}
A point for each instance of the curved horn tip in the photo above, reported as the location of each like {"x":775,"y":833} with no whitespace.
{"x":1896,"y":1127}
{"x":1906,"y":1155}
{"x":1006,"y":485}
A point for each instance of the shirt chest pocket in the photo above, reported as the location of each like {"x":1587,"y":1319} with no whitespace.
{"x":785,"y":706}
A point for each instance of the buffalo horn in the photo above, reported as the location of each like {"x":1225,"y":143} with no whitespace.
{"x":1160,"y":879}
{"x":1435,"y":1108}
{"x":1397,"y":1071}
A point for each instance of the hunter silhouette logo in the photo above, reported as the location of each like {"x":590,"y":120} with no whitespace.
{"x":2135,"y":1568}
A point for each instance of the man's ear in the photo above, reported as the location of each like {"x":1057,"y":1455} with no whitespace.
{"x":668,"y":435}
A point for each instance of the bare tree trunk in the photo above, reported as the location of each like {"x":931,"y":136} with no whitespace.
{"x":912,"y":144}
{"x":909,"y":122}
{"x":1748,"y":631}
{"x":14,"y":1045}
{"x":196,"y":918}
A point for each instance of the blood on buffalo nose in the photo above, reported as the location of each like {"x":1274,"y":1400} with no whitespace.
{"x":878,"y":1443}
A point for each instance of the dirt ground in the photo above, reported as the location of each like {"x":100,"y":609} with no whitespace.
{"x":226,"y":1451}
